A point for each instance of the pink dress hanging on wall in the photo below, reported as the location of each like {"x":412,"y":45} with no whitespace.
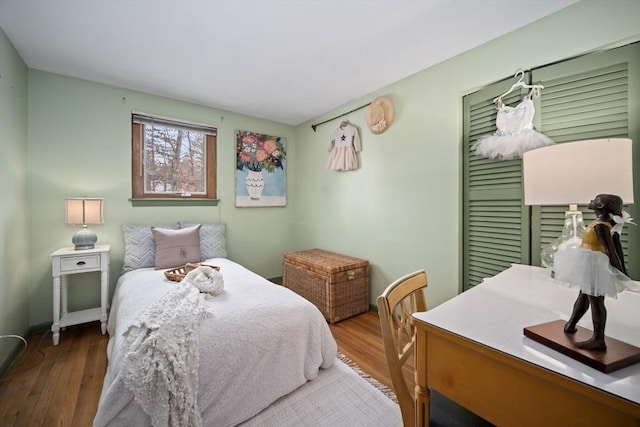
{"x":343,"y":146}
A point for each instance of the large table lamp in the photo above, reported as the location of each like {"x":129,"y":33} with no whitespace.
{"x":84,"y":211}
{"x":574,"y":173}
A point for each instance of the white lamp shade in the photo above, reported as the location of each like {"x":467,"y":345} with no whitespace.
{"x":81,"y":211}
{"x":575,"y":172}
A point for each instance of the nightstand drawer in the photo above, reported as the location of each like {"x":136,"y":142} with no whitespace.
{"x":80,"y":263}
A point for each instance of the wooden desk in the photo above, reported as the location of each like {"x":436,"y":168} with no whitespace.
{"x":472,"y":349}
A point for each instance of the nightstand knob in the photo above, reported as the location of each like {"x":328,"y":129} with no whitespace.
{"x":80,"y":263}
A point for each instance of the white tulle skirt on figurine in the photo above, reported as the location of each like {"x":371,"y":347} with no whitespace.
{"x":591,"y":272}
{"x":507,"y":146}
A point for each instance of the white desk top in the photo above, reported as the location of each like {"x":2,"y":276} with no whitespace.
{"x":495,"y":313}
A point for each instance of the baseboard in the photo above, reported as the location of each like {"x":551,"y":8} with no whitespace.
{"x":276,"y":280}
{"x":40,"y":328}
{"x":17,"y":347}
{"x":14,"y":350}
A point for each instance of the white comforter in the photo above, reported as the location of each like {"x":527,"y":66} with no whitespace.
{"x":261,"y":343}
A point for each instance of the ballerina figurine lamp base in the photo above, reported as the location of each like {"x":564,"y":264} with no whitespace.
{"x":595,"y":267}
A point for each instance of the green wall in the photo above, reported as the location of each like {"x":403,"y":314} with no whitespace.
{"x":401,"y":210}
{"x":80,"y":144}
{"x":14,"y":256}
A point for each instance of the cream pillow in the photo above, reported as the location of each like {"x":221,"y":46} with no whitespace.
{"x":176,"y":247}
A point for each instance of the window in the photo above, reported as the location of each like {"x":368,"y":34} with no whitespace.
{"x":172,"y":159}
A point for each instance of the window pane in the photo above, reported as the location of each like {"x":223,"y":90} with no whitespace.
{"x":174,"y":160}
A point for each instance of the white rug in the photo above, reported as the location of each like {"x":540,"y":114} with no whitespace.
{"x":383,"y":388}
{"x":340,"y":396}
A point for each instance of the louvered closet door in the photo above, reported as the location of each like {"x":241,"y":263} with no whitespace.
{"x":496,"y":223}
{"x":589,"y":98}
{"x":584,"y":98}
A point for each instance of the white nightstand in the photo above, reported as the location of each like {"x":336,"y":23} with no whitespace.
{"x":70,"y":261}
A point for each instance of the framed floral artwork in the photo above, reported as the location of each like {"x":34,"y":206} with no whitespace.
{"x":261,"y":166}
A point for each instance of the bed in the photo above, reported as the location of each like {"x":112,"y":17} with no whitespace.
{"x":266,"y":356}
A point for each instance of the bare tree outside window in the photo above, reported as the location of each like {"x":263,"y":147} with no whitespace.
{"x":174,"y":161}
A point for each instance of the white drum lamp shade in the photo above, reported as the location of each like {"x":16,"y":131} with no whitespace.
{"x":575,"y":172}
{"x":83,"y":211}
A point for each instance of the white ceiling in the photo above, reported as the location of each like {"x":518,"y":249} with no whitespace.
{"x":282,"y":60}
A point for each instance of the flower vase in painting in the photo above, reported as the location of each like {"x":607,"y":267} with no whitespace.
{"x":255,"y":184}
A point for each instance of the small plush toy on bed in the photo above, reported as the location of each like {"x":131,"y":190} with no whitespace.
{"x":206,"y":279}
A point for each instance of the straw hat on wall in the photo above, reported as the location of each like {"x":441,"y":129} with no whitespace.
{"x":379,"y":114}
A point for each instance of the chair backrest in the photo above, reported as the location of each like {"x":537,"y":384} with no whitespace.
{"x":395,"y":306}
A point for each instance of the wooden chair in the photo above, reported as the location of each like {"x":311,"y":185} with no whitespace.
{"x":395,"y":306}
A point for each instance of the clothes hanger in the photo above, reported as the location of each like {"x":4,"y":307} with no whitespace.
{"x":521,"y":84}
{"x":344,"y":124}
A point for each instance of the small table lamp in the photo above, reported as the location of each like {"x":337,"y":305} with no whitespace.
{"x":574,"y":173}
{"x":83,"y":211}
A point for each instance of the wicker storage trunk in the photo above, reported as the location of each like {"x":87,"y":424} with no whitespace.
{"x":337,"y":284}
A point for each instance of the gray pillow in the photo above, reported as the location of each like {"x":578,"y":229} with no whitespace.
{"x":140,"y":246}
{"x":213,"y":243}
{"x":175,"y":248}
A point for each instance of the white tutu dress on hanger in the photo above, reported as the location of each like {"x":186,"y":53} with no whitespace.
{"x":515,"y":134}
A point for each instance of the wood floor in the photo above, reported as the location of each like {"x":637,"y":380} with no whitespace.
{"x":60,"y":386}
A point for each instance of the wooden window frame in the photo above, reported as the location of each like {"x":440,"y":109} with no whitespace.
{"x":137,"y":169}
